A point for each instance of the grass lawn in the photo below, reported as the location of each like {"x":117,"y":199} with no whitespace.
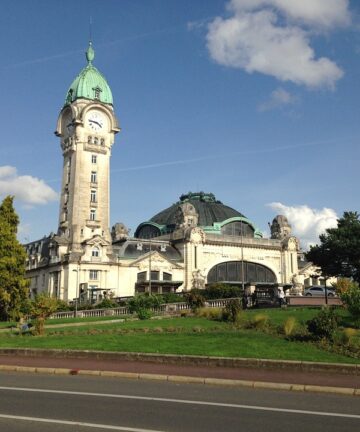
{"x":196,"y":336}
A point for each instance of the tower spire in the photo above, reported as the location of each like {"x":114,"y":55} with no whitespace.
{"x":90,"y":53}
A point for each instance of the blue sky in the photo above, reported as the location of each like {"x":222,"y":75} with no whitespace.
{"x":255,"y":101}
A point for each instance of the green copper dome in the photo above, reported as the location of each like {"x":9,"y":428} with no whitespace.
{"x":213,"y":217}
{"x":90,"y":83}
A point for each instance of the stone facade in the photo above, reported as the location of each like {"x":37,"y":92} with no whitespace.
{"x":204,"y":242}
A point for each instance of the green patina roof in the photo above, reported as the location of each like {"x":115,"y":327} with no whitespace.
{"x":209,"y":209}
{"x":90,"y":83}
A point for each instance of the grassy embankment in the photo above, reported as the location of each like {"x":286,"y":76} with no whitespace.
{"x":190,"y":335}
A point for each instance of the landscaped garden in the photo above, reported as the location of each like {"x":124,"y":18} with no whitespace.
{"x":269,"y":333}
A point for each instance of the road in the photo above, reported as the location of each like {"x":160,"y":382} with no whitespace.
{"x":80,"y":403}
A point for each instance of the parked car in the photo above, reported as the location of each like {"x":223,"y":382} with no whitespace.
{"x":319,"y":291}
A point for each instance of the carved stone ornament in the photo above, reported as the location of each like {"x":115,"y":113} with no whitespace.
{"x":197,"y":236}
{"x":292,"y":244}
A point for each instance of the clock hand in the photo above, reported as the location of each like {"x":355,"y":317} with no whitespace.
{"x":94,"y":121}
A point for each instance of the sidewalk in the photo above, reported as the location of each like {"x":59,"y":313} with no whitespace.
{"x":276,"y":378}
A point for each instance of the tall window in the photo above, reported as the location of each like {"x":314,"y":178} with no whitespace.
{"x":93,"y":159}
{"x":94,"y":274}
{"x":93,"y":178}
{"x":92,"y":214}
{"x":93,"y":197}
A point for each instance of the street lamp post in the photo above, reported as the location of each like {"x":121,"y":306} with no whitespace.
{"x":242,"y":258}
{"x":77,"y":290}
{"x":150,"y":267}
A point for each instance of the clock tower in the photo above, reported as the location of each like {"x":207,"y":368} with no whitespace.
{"x":86,"y":127}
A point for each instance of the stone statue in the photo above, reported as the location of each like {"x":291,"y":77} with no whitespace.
{"x":297,"y":287}
{"x":198,"y":280}
{"x":280,"y":228}
{"x":119,"y":232}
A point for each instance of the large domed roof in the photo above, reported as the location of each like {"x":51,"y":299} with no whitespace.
{"x":202,"y":210}
{"x":209,"y":209}
{"x":90,"y":83}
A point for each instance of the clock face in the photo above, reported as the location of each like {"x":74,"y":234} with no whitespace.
{"x":96,"y":121}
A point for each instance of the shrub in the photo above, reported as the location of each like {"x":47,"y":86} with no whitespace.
{"x":209,"y":313}
{"x":260,"y":321}
{"x":143,"y":313}
{"x":42,"y":307}
{"x":219,"y":291}
{"x":289,"y":326}
{"x":107,"y":303}
{"x":342,"y":285}
{"x":324,"y":324}
{"x":185,"y":313}
{"x":195,"y":300}
{"x":232,"y":310}
{"x":172,"y":298}
{"x":143,"y":301}
{"x":347,"y":335}
{"x":351,"y":298}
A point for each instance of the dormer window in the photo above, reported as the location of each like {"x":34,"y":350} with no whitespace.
{"x":95,"y":252}
{"x":97,"y":91}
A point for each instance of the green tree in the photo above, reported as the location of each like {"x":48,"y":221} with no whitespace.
{"x":338,"y":253}
{"x":13,"y":285}
{"x":41,"y":308}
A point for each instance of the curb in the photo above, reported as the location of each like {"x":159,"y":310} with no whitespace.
{"x":193,"y":360}
{"x":187,"y":380}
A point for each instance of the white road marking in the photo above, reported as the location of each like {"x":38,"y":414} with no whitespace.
{"x":183,"y":401}
{"x":74,"y":423}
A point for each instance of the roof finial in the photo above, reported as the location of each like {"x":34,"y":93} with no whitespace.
{"x":90,"y":53}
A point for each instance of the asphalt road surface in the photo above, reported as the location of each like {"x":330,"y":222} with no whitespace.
{"x":80,"y":403}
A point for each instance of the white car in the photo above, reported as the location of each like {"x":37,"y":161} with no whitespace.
{"x":319,"y":291}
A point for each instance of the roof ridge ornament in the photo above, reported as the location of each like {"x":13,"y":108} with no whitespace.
{"x":90,"y":54}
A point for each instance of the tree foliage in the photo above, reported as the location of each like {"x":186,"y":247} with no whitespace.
{"x":338,"y":253}
{"x":351,"y":298}
{"x":42,"y":307}
{"x":13,"y":285}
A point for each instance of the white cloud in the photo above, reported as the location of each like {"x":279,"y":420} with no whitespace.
{"x":278,"y":98}
{"x":323,"y":13}
{"x":257,"y":39}
{"x":307,"y":223}
{"x":30,"y":190}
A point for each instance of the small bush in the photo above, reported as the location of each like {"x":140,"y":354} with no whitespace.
{"x":195,"y":300}
{"x":347,"y":335}
{"x":158,"y":330}
{"x":209,"y":313}
{"x":324,"y":324}
{"x":172,"y":298}
{"x":351,"y":298}
{"x":143,"y":314}
{"x":185,"y":313}
{"x":260,"y":321}
{"x":289,"y":326}
{"x":232,"y":310}
{"x":107,"y":303}
{"x":197,"y":329}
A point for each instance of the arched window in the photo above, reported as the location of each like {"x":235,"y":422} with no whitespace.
{"x":148,"y":231}
{"x":238,"y":229}
{"x":232,"y":271}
